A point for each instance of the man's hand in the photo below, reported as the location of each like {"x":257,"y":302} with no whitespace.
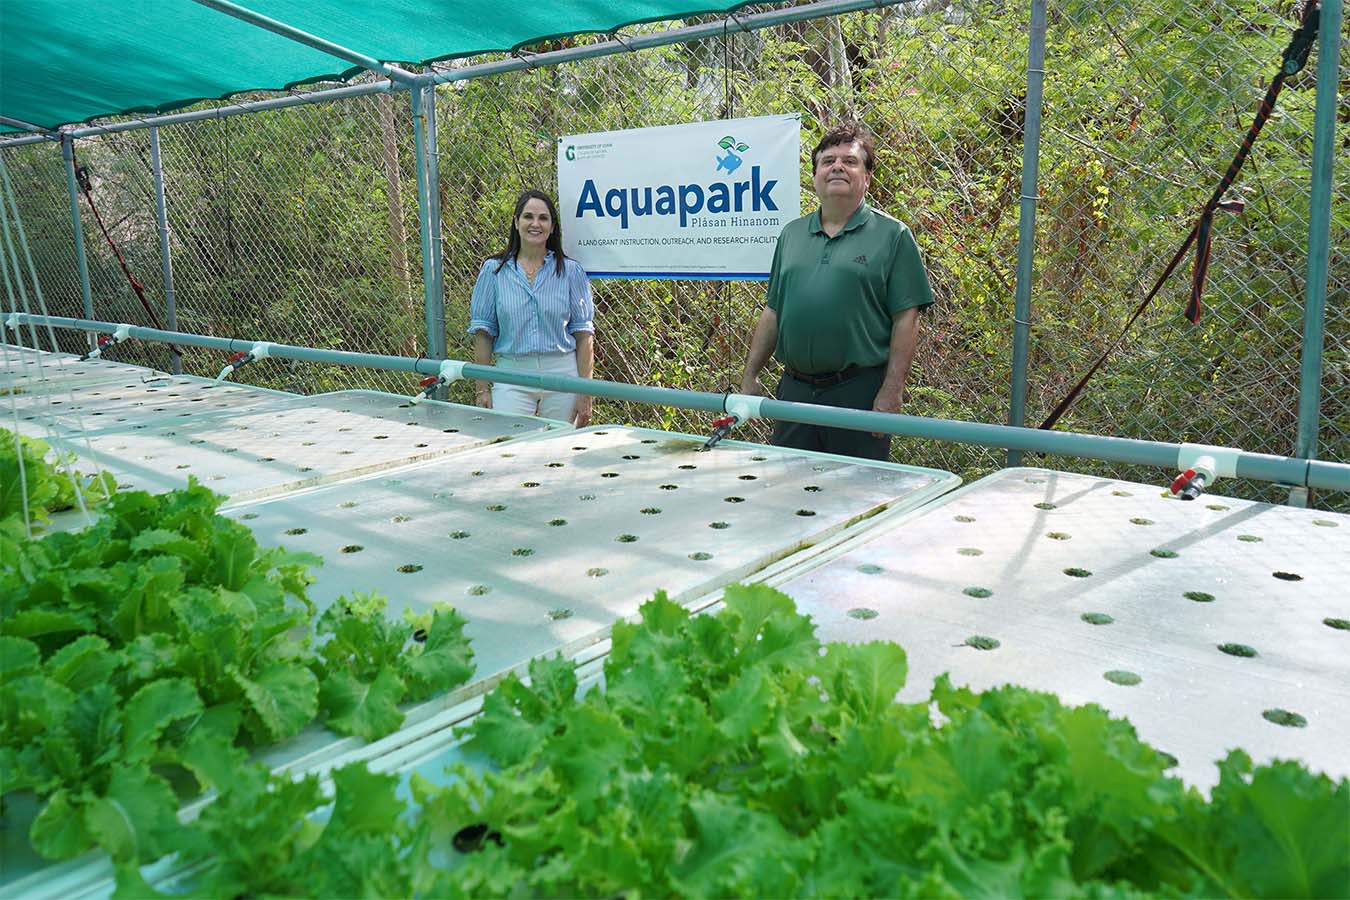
{"x":904,"y":335}
{"x":482,"y":396}
{"x":761,"y":348}
{"x":888,"y":400}
{"x":581,"y":415}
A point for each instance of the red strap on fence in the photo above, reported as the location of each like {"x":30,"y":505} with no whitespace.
{"x":136,"y":286}
{"x":1294,"y":59}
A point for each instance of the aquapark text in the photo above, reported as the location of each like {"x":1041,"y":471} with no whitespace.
{"x":686,"y":199}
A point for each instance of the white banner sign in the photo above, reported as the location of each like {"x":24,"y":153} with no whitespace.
{"x":705,"y":200}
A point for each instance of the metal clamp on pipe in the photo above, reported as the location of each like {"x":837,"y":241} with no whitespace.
{"x":120,"y":334}
{"x":452,"y":370}
{"x":1202,"y":465}
{"x":241,"y":359}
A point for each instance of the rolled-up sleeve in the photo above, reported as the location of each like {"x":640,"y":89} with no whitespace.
{"x":483,"y":302}
{"x":582,"y":308}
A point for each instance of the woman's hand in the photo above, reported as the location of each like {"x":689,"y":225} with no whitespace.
{"x":482,"y":355}
{"x":581,"y":415}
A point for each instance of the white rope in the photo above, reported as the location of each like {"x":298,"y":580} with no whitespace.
{"x":9,"y":207}
{"x":13,"y":398}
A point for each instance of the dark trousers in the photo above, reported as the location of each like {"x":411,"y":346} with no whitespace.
{"x":857,"y":392}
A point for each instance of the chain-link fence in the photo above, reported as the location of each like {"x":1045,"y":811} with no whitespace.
{"x":301,"y":226}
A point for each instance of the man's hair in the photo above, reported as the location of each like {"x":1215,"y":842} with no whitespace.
{"x":846,"y":134}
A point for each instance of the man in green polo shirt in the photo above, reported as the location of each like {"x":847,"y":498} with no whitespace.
{"x":842,"y":313}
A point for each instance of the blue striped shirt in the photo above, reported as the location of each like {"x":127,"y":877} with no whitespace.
{"x":538,"y":318}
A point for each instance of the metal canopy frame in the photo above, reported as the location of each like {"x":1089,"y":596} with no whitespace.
{"x":421,"y":87}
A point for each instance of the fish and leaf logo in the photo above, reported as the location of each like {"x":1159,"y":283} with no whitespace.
{"x":731,"y":162}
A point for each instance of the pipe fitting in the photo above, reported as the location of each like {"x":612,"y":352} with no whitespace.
{"x":1220,"y":462}
{"x":452,"y":370}
{"x":1201,"y":466}
{"x":743,"y":406}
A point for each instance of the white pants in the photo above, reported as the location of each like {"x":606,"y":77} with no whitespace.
{"x":525,"y":401}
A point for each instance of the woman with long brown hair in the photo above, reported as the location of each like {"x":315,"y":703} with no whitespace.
{"x":532,"y":308}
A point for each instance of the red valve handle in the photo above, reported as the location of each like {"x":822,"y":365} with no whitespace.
{"x":1182,"y":480}
{"x":724,"y":421}
{"x":429,"y":381}
{"x":238,"y":356}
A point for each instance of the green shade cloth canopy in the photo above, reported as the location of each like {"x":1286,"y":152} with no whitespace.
{"x":65,"y":61}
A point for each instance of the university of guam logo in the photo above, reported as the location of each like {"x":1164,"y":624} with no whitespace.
{"x":731,"y":162}
{"x":571,"y":152}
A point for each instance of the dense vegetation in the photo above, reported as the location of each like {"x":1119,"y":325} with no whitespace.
{"x":141,"y":658}
{"x":300,"y":225}
{"x":734,"y":755}
{"x":36,"y":481}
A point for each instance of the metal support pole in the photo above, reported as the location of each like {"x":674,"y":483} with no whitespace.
{"x":215,"y":113}
{"x":165,"y":253}
{"x":1319,"y":232}
{"x":1026,"y":220}
{"x":429,"y":215}
{"x":290,"y":32}
{"x":68,"y":154}
{"x":685,"y":34}
{"x":433,"y":162}
{"x":28,"y":126}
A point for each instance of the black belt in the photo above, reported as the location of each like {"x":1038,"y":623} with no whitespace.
{"x":827,"y":379}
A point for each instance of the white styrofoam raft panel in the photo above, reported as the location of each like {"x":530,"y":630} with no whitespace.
{"x":525,"y":539}
{"x":544,"y":542}
{"x":136,"y":400}
{"x":291,"y":443}
{"x":1025,"y":555}
{"x":23,"y":370}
